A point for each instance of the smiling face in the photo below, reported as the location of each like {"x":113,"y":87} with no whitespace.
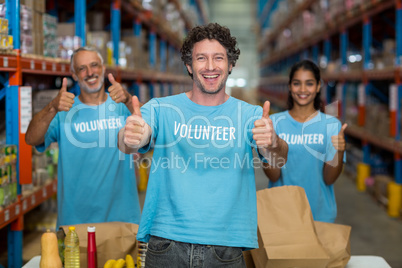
{"x":89,"y":71}
{"x":304,"y":88}
{"x":210,"y":66}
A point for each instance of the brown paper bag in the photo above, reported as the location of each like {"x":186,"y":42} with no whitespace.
{"x":248,"y":259}
{"x":336,"y":240}
{"x":113,"y":240}
{"x":286,"y":233}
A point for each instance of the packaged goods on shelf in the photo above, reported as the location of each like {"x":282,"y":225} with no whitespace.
{"x":381,"y":182}
{"x":50,"y":45}
{"x":66,"y":39}
{"x":67,"y":45}
{"x":96,"y":21}
{"x":336,"y":8}
{"x":99,"y":40}
{"x":3,"y":26}
{"x":133,"y":52}
{"x":157,"y":90}
{"x":41,"y":98}
{"x":26,"y":41}
{"x":8,"y":174}
{"x":174,"y":63}
{"x":350,"y":4}
{"x":110,"y":60}
{"x":144,"y":93}
{"x":377,"y":118}
{"x":37,"y":5}
{"x":174,"y":20}
{"x":351,"y":109}
{"x":44,"y":168}
{"x":320,"y":11}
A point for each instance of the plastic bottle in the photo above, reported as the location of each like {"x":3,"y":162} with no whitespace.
{"x":72,"y":249}
{"x":91,"y":248}
{"x":142,"y":252}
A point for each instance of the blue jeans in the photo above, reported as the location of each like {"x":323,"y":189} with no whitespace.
{"x":165,"y":253}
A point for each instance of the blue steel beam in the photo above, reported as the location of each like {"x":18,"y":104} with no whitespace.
{"x":152,"y":49}
{"x":2,"y":93}
{"x":315,"y":52}
{"x":367,"y":42}
{"x":162,"y":55}
{"x":14,"y":238}
{"x":398,"y":35}
{"x":327,"y":49}
{"x":80,"y":19}
{"x":13,"y":16}
{"x":116,"y":21}
{"x":344,"y":43}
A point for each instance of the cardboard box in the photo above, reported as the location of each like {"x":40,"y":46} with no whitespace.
{"x":99,"y":40}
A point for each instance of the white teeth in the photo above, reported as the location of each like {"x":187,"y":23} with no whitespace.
{"x":91,"y":80}
{"x":210,"y":76}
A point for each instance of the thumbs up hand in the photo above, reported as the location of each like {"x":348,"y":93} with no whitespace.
{"x":338,"y":141}
{"x":263,"y":131}
{"x":64,"y":100}
{"x":117,"y":92}
{"x":136,"y":130}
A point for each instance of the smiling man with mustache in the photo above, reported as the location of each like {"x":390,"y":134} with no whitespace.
{"x":96,"y":183}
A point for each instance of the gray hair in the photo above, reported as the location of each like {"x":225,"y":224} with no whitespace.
{"x":86,"y":48}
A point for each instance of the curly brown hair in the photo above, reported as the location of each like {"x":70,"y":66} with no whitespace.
{"x":211,"y":31}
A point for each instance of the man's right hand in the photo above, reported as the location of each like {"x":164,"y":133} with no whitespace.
{"x":64,"y":100}
{"x":136,"y":130}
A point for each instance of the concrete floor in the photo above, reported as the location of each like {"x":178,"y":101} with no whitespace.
{"x":373,"y":231}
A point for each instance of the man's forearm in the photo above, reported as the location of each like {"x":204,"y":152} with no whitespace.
{"x":39,"y":125}
{"x":277,"y":156}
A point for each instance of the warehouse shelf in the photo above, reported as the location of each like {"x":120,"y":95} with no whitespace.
{"x":286,"y":22}
{"x":135,"y":9}
{"x":147,"y":75}
{"x":388,"y":73}
{"x":32,"y":199}
{"x":365,"y":30}
{"x":10,"y":214}
{"x":18,"y":67}
{"x":343,"y":21}
{"x":27,"y":203}
{"x":31,"y":64}
{"x":8,"y":63}
{"x":386,"y":143}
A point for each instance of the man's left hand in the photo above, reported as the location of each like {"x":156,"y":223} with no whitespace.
{"x":116,"y":91}
{"x":263,"y":131}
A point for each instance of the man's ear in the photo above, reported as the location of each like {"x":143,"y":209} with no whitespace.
{"x":74,"y":77}
{"x":189,"y":69}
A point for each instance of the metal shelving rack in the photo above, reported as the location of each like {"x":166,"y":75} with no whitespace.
{"x":273,"y":83}
{"x":14,"y":66}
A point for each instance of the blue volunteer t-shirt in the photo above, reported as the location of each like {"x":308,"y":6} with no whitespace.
{"x":96,"y":182}
{"x":201,"y":187}
{"x":310,"y":146}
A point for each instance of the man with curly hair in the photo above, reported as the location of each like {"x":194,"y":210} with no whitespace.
{"x":200,"y":206}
